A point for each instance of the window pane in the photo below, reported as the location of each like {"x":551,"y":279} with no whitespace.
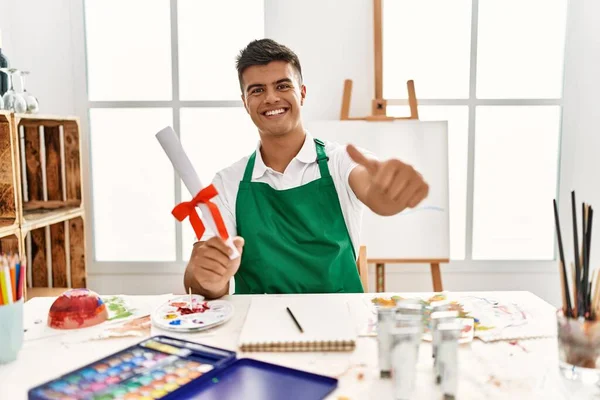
{"x":128,"y":49}
{"x":516,"y":168}
{"x":458,"y":142}
{"x":211,"y":34}
{"x":427,"y":41}
{"x":214,"y":138}
{"x":525,"y":60}
{"x":132,"y":185}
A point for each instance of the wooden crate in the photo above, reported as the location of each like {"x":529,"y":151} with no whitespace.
{"x":56,"y":254}
{"x":9,"y":213}
{"x":44,"y":221}
{"x":10,"y":244}
{"x":51,"y":156}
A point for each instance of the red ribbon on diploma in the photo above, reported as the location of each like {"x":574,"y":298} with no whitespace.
{"x":188,"y":209}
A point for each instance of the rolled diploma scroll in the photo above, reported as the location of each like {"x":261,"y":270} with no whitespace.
{"x":172,"y":146}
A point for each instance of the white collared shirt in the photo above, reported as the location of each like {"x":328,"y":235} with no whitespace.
{"x":301,"y":170}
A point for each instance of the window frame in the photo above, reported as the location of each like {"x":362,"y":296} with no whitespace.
{"x":83,"y":107}
{"x":472,"y":102}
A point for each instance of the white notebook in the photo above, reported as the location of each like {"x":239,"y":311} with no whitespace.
{"x":326,"y":322}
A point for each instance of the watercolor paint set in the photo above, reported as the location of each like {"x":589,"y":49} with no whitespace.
{"x":167,"y":368}
{"x":191,"y":313}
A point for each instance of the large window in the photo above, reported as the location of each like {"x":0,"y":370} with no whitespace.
{"x":493,"y":69}
{"x":152,"y":64}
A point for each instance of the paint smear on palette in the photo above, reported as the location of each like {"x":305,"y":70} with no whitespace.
{"x":199,"y":309}
{"x":181,"y":315}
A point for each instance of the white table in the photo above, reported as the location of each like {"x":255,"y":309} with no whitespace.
{"x":487,"y":370}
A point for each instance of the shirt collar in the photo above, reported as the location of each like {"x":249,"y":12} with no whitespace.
{"x":306,"y":155}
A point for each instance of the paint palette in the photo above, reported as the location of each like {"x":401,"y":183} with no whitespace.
{"x":179,"y":315}
{"x":149,"y":370}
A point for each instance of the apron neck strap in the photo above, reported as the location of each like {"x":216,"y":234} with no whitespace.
{"x":249,"y":168}
{"x":321,"y":159}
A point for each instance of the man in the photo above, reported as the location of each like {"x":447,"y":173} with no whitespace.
{"x":296,"y":202}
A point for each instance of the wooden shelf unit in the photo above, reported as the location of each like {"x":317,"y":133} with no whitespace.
{"x":42,"y":214}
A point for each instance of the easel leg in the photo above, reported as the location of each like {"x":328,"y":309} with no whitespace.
{"x":436,"y":277}
{"x":380,"y":278}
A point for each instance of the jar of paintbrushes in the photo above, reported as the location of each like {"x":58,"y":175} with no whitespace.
{"x":12,"y":281}
{"x":578,"y":320}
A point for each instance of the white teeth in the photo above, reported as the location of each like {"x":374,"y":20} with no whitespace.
{"x":275,"y":112}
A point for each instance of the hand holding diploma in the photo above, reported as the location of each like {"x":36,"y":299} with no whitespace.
{"x":202,"y":195}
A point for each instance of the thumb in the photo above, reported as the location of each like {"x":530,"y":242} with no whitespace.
{"x":239,"y":243}
{"x":360,"y":158}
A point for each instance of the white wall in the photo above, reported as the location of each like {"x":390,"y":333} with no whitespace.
{"x":37,"y":37}
{"x":334,"y":42}
{"x":581,"y":117}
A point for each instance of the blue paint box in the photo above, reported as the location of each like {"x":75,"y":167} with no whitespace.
{"x":168,"y":368}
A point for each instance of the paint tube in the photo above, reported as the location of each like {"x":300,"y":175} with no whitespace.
{"x":448,"y":358}
{"x":385,"y":323}
{"x":410,"y":306}
{"x":436,"y":319}
{"x":405,"y":354}
{"x":440,"y":305}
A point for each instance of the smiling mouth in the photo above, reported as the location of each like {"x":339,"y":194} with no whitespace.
{"x":275,"y":113}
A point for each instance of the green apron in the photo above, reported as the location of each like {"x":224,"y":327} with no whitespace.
{"x":296,"y":240}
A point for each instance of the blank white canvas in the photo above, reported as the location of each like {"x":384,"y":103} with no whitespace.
{"x":422,"y":232}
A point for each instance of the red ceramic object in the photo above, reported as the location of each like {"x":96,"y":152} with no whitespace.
{"x":77,"y":308}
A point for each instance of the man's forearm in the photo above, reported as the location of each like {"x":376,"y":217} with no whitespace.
{"x":190,"y":282}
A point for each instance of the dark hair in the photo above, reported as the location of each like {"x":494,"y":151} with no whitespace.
{"x":262,"y":52}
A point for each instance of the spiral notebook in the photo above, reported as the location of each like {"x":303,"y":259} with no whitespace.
{"x":325,"y":320}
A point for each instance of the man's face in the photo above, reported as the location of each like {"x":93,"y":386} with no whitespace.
{"x":273,"y":96}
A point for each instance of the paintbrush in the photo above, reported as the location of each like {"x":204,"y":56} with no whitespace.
{"x":579,"y":298}
{"x":567,"y":308}
{"x":584,"y":273}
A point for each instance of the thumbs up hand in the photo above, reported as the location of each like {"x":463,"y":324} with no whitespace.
{"x":386,"y":187}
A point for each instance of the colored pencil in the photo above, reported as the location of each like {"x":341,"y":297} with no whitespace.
{"x":21,"y":290}
{"x":18,"y":276}
{"x":7,"y":285}
{"x":13,"y":282}
{"x":3,"y":288}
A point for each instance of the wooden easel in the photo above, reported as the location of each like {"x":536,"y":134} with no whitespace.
{"x":378,"y":113}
